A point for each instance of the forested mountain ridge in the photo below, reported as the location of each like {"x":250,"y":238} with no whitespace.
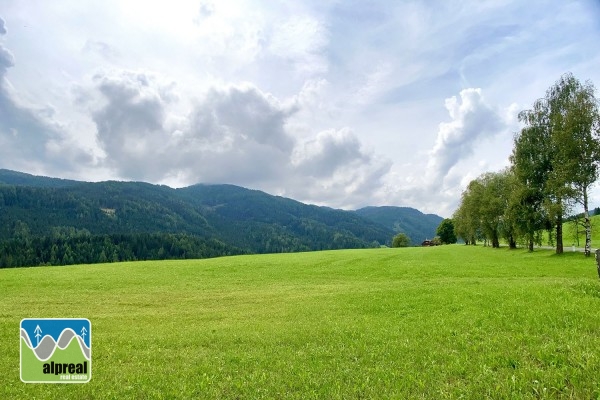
{"x":414,"y":223}
{"x":20,"y":178}
{"x":222,"y":219}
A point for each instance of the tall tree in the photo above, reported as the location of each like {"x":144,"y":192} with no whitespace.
{"x":508,"y":223}
{"x":576,"y":127}
{"x":494,"y":202}
{"x":566,"y":124}
{"x":531,"y":160}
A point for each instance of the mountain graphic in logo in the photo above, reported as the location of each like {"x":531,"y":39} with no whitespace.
{"x":56,"y":350}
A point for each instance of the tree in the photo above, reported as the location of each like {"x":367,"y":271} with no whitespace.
{"x":401,"y":240}
{"x":531,"y":166}
{"x":445,"y":231}
{"x":483,"y":208}
{"x":508,"y":186}
{"x":495,"y":192}
{"x":577,"y":132}
{"x":565,"y":128}
{"x":467,"y":220}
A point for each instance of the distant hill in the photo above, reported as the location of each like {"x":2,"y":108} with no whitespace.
{"x":19,"y":178}
{"x":137,"y":220}
{"x":414,"y":223}
{"x":264,"y":223}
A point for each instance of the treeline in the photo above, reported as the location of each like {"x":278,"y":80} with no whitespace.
{"x":248,"y":220}
{"x":554,"y":162}
{"x":70,"y":246}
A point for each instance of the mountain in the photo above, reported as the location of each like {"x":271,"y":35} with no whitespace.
{"x":19,"y":178}
{"x":65,"y":221}
{"x":265,"y":223}
{"x":414,"y":223}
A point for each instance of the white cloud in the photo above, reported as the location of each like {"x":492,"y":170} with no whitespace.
{"x":130,"y":122}
{"x":233,"y":134}
{"x":336,"y":103}
{"x":472,"y":120}
{"x":32,"y":138}
{"x":461,"y":150}
{"x":329,"y":151}
{"x":335,"y":168}
{"x":7,"y":59}
{"x":301,"y":40}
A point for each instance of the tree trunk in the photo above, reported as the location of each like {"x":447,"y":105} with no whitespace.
{"x":530,"y":245}
{"x":586,"y":222}
{"x":512,"y":243}
{"x":559,"y":234}
{"x":495,"y":241}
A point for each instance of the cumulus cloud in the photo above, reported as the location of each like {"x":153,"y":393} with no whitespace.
{"x":7,"y":60}
{"x":130,"y":124}
{"x":335,"y":168}
{"x":247,"y":113}
{"x":475,"y":126}
{"x":237,"y":134}
{"x":472,"y":120}
{"x":31,"y":136}
{"x":329,"y":151}
{"x":232,"y":134}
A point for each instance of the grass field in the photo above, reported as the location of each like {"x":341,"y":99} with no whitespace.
{"x":575,"y":235}
{"x":445,"y":322}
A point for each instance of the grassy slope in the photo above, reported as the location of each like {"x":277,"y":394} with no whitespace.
{"x":440,"y":322}
{"x":569,"y":237}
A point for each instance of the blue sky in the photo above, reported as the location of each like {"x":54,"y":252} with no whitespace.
{"x":338,"y":103}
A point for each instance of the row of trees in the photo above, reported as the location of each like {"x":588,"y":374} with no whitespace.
{"x":554,"y":162}
{"x":80,"y":247}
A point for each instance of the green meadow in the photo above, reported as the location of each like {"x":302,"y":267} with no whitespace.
{"x":445,"y":322}
{"x":575,"y":235}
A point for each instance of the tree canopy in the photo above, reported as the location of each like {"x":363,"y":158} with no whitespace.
{"x":401,"y":240}
{"x":445,"y":231}
{"x":554,"y":162}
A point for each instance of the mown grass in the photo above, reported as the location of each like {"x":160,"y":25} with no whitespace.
{"x":444,"y":322}
{"x":574,"y":235}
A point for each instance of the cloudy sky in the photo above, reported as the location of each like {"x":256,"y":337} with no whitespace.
{"x":330,"y":102}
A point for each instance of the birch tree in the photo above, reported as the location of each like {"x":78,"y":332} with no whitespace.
{"x":564,"y":127}
{"x":576,"y":130}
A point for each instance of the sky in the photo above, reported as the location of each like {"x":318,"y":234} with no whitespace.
{"x":336,"y":103}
